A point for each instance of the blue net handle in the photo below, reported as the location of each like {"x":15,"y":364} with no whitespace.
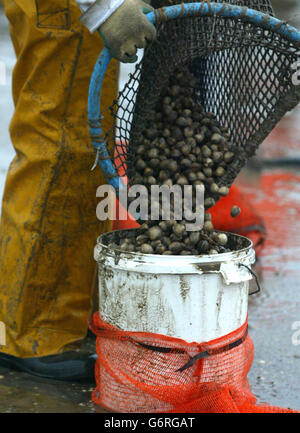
{"x":162,"y":15}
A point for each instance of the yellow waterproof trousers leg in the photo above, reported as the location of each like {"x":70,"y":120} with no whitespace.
{"x":49,"y":225}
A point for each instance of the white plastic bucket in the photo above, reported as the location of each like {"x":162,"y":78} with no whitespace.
{"x":195,"y":298}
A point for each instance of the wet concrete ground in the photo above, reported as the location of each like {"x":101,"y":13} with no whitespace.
{"x":274,"y":376}
{"x":274,"y":314}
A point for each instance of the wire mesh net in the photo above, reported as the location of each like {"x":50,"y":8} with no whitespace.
{"x":243,"y":76}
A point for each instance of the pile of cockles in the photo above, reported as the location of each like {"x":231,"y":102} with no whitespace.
{"x":171,"y":238}
{"x":181,"y":145}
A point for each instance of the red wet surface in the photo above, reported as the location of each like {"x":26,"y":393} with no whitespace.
{"x":274,"y":377}
{"x":274,"y":193}
{"x":276,"y":197}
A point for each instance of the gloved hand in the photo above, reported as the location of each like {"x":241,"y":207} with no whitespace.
{"x":128,"y":29}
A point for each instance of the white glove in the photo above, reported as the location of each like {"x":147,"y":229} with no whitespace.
{"x":123,"y":26}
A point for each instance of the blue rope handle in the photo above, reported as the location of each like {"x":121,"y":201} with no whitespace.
{"x":161,"y":15}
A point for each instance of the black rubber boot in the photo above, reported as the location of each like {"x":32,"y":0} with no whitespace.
{"x":68,"y":366}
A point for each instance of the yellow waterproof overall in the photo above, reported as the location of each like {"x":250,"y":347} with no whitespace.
{"x":48,"y":224}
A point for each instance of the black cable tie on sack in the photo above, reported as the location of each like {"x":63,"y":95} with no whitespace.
{"x":161,"y":349}
{"x":191,"y":362}
{"x":148,"y":346}
{"x":211,"y":352}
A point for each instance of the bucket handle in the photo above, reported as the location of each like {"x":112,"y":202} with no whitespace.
{"x":255,"y":277}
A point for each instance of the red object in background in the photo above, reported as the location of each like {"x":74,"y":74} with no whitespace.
{"x":248,"y":223}
{"x":129,"y":223}
{"x":278,"y":203}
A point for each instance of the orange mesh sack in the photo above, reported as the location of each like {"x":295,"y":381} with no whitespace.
{"x":151,"y":373}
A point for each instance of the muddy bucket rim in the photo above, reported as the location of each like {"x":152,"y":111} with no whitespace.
{"x":222,"y":256}
{"x":228,"y":264}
